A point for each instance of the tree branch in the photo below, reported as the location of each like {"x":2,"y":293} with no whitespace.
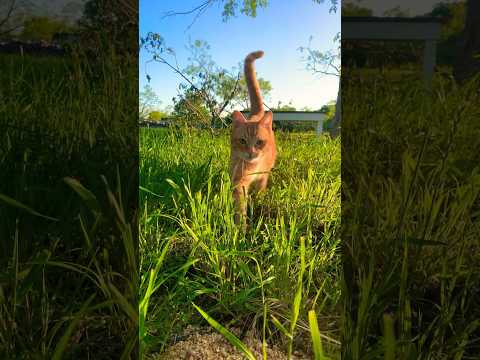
{"x":197,"y":16}
{"x":199,"y":8}
{"x":206,"y":97}
{"x":11,"y":7}
{"x":231,"y":95}
{"x":7,"y":31}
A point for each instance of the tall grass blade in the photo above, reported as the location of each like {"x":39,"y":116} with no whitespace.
{"x":227,"y":334}
{"x":389,"y":337}
{"x":19,"y":205}
{"x":315,"y":334}
{"x":87,"y":196}
{"x":63,"y":342}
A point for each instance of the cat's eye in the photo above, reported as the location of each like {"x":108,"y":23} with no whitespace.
{"x":243,"y":141}
{"x":259,"y":143}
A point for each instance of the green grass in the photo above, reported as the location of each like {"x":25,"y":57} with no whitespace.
{"x":69,"y":277}
{"x":68,"y":255}
{"x":410,"y":219}
{"x":268,"y":279}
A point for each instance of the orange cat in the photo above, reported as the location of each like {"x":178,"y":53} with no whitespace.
{"x":253,"y":148}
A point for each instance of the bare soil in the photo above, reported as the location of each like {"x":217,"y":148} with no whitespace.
{"x":207,"y":344}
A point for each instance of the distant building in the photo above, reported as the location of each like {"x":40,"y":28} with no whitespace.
{"x":317,"y":117}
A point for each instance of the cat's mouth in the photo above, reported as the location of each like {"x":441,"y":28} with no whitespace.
{"x":249,"y":157}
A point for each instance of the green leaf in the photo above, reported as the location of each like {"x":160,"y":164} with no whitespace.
{"x":84,"y":193}
{"x":389,"y":338}
{"x":149,"y":191}
{"x":298,"y":295}
{"x":315,"y":333}
{"x":280,"y":327}
{"x":63,"y":342}
{"x":19,"y":205}
{"x":420,"y":242}
{"x":227,"y":334}
{"x":124,"y":304}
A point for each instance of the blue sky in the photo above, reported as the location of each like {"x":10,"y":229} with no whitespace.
{"x":279,"y":30}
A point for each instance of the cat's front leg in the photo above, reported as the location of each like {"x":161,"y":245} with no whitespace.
{"x":261,"y":183}
{"x":240,"y":194}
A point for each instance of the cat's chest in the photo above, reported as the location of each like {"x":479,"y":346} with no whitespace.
{"x":256,"y":170}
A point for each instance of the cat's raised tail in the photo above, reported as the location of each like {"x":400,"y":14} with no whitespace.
{"x":256,"y":100}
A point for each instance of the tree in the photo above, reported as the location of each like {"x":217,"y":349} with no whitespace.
{"x":396,"y":11}
{"x":247,"y":7}
{"x":11,"y":18}
{"x":42,"y":28}
{"x":156,"y":115}
{"x":314,"y":57}
{"x":352,"y":9}
{"x":468,"y":56}
{"x":328,"y":109}
{"x":113,"y":16}
{"x":452,"y":16}
{"x":113,"y":21}
{"x":201,"y":75}
{"x":217,"y":89}
{"x":148,"y":101}
{"x":287,"y":107}
{"x":232,"y":7}
{"x":226,"y":88}
{"x":190,"y":108}
{"x":325,"y":63}
{"x":217,"y":85}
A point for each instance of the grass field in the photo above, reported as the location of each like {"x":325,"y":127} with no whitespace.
{"x":68,"y":191}
{"x":410,"y":218}
{"x":193,"y":255}
{"x":72,"y":274}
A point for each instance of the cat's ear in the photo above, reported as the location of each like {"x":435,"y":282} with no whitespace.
{"x":267,"y":120}
{"x":238,"y":118}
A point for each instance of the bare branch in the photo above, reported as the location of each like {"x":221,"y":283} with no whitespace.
{"x":9,"y":30}
{"x":10,"y":13}
{"x":176,"y":70}
{"x":231,"y":95}
{"x":202,"y":11}
{"x":11,"y":7}
{"x":268,"y":107}
{"x":203,"y":93}
{"x":195,"y":109}
{"x":199,"y":8}
{"x":321,"y":63}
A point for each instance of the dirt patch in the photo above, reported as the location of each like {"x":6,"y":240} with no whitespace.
{"x":203,"y":344}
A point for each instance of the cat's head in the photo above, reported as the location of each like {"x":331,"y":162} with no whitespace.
{"x":251,"y":138}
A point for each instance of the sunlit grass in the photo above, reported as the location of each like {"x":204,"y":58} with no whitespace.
{"x":268,"y":279}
